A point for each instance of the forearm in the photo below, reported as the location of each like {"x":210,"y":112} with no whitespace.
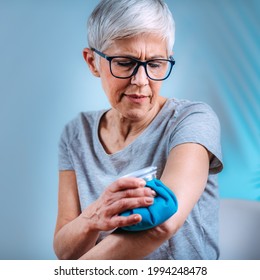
{"x":74,"y":239}
{"x":123,"y":245}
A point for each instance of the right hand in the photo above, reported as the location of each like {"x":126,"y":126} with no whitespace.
{"x":121,"y":195}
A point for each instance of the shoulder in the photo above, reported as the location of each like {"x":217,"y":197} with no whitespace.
{"x":183,"y":107}
{"x":196,"y":122}
{"x":191,"y":112}
{"x":82,"y":123}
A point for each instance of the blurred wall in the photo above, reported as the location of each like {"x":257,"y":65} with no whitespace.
{"x":44,"y":82}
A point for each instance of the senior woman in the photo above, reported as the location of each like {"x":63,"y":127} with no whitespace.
{"x":130,"y":51}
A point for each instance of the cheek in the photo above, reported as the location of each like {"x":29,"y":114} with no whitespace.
{"x":156,"y":87}
{"x":114,"y":88}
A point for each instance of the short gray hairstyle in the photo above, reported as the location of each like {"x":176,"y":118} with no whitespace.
{"x":117,"y":19}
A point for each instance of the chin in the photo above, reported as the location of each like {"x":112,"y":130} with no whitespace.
{"x":136,"y":115}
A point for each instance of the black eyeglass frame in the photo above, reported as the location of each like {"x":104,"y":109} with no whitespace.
{"x":139,"y":63}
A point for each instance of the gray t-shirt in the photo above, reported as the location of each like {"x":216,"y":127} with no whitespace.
{"x":179,"y":121}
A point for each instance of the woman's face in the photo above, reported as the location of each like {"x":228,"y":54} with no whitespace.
{"x":134,"y":97}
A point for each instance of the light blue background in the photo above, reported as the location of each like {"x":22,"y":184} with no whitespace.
{"x":44,"y":83}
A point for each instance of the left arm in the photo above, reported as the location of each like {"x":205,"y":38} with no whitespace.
{"x":186,"y":174}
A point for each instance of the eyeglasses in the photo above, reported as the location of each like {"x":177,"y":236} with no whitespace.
{"x":123,"y":67}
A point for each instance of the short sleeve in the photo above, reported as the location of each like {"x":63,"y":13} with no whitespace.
{"x":198,"y":123}
{"x":64,"y":158}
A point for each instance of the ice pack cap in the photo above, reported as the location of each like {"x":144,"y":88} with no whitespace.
{"x":147,"y":173}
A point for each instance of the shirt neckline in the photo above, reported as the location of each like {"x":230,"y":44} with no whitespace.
{"x":99,"y":145}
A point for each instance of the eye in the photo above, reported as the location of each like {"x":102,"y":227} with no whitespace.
{"x":155,"y":64}
{"x":123,"y":62}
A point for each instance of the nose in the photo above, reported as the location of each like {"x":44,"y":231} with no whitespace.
{"x":140,"y":78}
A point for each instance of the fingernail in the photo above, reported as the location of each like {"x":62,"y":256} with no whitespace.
{"x":153,"y":193}
{"x":149,"y":200}
{"x":142,"y":182}
{"x":137,"y":217}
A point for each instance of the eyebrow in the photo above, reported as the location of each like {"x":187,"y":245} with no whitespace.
{"x":150,"y":58}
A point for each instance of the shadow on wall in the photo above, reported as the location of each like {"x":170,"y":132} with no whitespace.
{"x":239,"y":229}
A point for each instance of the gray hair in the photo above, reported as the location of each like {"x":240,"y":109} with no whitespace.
{"x":117,"y":19}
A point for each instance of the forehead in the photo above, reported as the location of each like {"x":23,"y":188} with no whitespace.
{"x":141,"y":46}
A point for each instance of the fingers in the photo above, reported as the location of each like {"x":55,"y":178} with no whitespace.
{"x":122,"y":221}
{"x":138,"y":192}
{"x":131,"y":198}
{"x":128,"y":187}
{"x":123,"y":194}
{"x":126,"y":183}
{"x":129,"y":203}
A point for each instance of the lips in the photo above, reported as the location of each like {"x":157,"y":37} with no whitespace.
{"x":136,"y":98}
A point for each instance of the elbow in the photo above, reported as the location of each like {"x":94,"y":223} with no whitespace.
{"x":62,"y":257}
{"x":60,"y":254}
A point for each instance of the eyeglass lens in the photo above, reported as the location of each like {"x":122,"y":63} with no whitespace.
{"x":124,"y":67}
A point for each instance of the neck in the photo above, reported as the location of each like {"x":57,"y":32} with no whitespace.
{"x":125,"y":127}
{"x":116,"y":131}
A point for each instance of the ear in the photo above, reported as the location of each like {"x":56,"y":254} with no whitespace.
{"x":89,"y":57}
